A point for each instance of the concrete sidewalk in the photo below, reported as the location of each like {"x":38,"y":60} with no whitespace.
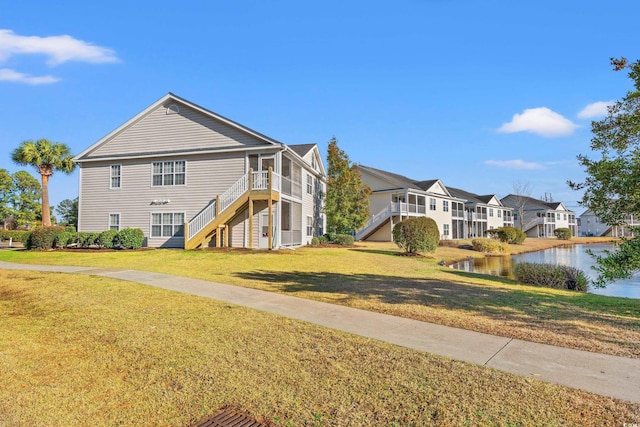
{"x":598,"y":373}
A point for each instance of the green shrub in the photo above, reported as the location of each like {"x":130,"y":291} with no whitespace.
{"x":70,"y":228}
{"x":323,"y":239}
{"x":417,"y":234}
{"x":42,"y":239}
{"x":130,"y":238}
{"x":87,"y":239}
{"x":15,"y":235}
{"x":315,"y":241}
{"x":490,"y":246}
{"x":551,"y":276}
{"x":106,"y":239}
{"x":65,"y":238}
{"x":563,"y":233}
{"x":508,"y":234}
{"x":343,"y":239}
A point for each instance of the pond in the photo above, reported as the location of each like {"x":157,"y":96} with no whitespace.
{"x":573,"y":255}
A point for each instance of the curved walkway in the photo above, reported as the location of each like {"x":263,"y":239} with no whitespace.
{"x":602,"y":374}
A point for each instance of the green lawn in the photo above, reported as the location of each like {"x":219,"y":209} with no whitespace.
{"x":79,"y":350}
{"x":372,"y":277}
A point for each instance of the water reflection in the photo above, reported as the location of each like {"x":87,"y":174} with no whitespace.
{"x":574,"y":255}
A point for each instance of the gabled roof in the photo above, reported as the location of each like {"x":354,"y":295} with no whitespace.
{"x":84,"y":155}
{"x":537,"y":204}
{"x":401,"y":181}
{"x":302,"y":149}
{"x":472,"y":197}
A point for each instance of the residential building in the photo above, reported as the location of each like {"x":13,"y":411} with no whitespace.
{"x":482,"y":213}
{"x":540,"y":218}
{"x":395,"y":197}
{"x":591,"y":225}
{"x":190,"y":178}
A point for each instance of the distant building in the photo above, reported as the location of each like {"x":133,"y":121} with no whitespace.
{"x":540,"y":218}
{"x":591,"y":225}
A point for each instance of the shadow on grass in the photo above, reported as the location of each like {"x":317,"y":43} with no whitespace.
{"x":407,"y":297}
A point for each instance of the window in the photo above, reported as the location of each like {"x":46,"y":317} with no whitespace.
{"x":445,"y":206}
{"x":309,"y":226}
{"x":169,"y":173}
{"x":557,"y":216}
{"x":445,"y":230}
{"x":114,"y":221}
{"x":565,"y":217}
{"x":167,"y":224}
{"x":490,"y":211}
{"x":309,"y":184}
{"x":432,"y":204}
{"x":115,"y":176}
{"x":499,"y":213}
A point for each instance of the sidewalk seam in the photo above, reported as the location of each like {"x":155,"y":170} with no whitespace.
{"x":497,"y":352}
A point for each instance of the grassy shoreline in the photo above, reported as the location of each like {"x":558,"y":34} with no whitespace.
{"x":372,"y":277}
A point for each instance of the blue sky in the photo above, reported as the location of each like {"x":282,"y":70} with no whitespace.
{"x":478,"y":94}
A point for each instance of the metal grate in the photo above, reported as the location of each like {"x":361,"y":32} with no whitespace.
{"x":229,"y":418}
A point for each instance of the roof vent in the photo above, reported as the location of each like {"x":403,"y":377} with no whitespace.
{"x":173,"y":109}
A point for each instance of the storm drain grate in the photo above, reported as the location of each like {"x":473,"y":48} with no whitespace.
{"x":229,"y":418}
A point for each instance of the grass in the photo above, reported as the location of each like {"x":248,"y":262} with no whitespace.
{"x":79,"y":350}
{"x":372,"y":277}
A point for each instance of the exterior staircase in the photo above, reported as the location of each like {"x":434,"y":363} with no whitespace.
{"x":214,"y":218}
{"x":375,"y":222}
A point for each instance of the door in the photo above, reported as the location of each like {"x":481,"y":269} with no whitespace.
{"x":264,"y":230}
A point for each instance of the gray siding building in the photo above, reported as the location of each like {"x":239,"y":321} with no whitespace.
{"x":190,"y":178}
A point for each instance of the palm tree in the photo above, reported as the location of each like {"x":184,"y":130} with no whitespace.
{"x":46,"y":157}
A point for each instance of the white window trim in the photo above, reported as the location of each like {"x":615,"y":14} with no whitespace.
{"x":111,"y":187}
{"x":119,"y":220}
{"x":309,"y":184}
{"x":172,"y":185}
{"x":309,"y":217}
{"x":184,"y":215}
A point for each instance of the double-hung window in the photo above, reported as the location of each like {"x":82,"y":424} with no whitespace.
{"x":169,"y":173}
{"x":116,"y":176}
{"x":309,"y":184}
{"x":490,"y":211}
{"x":114,"y":221}
{"x":445,"y":229}
{"x":167,"y":224}
{"x":432,"y":204}
{"x":309,"y":226}
{"x":445,"y":206}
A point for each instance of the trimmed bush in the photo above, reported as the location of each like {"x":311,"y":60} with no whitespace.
{"x":418,"y":234}
{"x":42,"y":239}
{"x":107,"y":238}
{"x":15,"y":235}
{"x":324,"y":238}
{"x":490,"y":246}
{"x":315,"y":241}
{"x":65,"y":238}
{"x":551,"y":276}
{"x":343,"y":239}
{"x":87,"y":239}
{"x":508,"y":235}
{"x":130,"y":238}
{"x":563,"y":233}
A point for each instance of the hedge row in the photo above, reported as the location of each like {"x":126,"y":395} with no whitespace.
{"x":551,"y":276}
{"x":59,"y":237}
{"x":15,"y":235}
{"x":338,"y":239}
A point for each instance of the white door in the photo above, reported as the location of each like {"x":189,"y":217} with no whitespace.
{"x":264,"y":230}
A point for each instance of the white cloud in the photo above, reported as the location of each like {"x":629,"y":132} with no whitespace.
{"x":597,"y":109}
{"x":540,"y":121}
{"x":9,"y":75}
{"x":58,"y":49}
{"x":514,"y":164}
